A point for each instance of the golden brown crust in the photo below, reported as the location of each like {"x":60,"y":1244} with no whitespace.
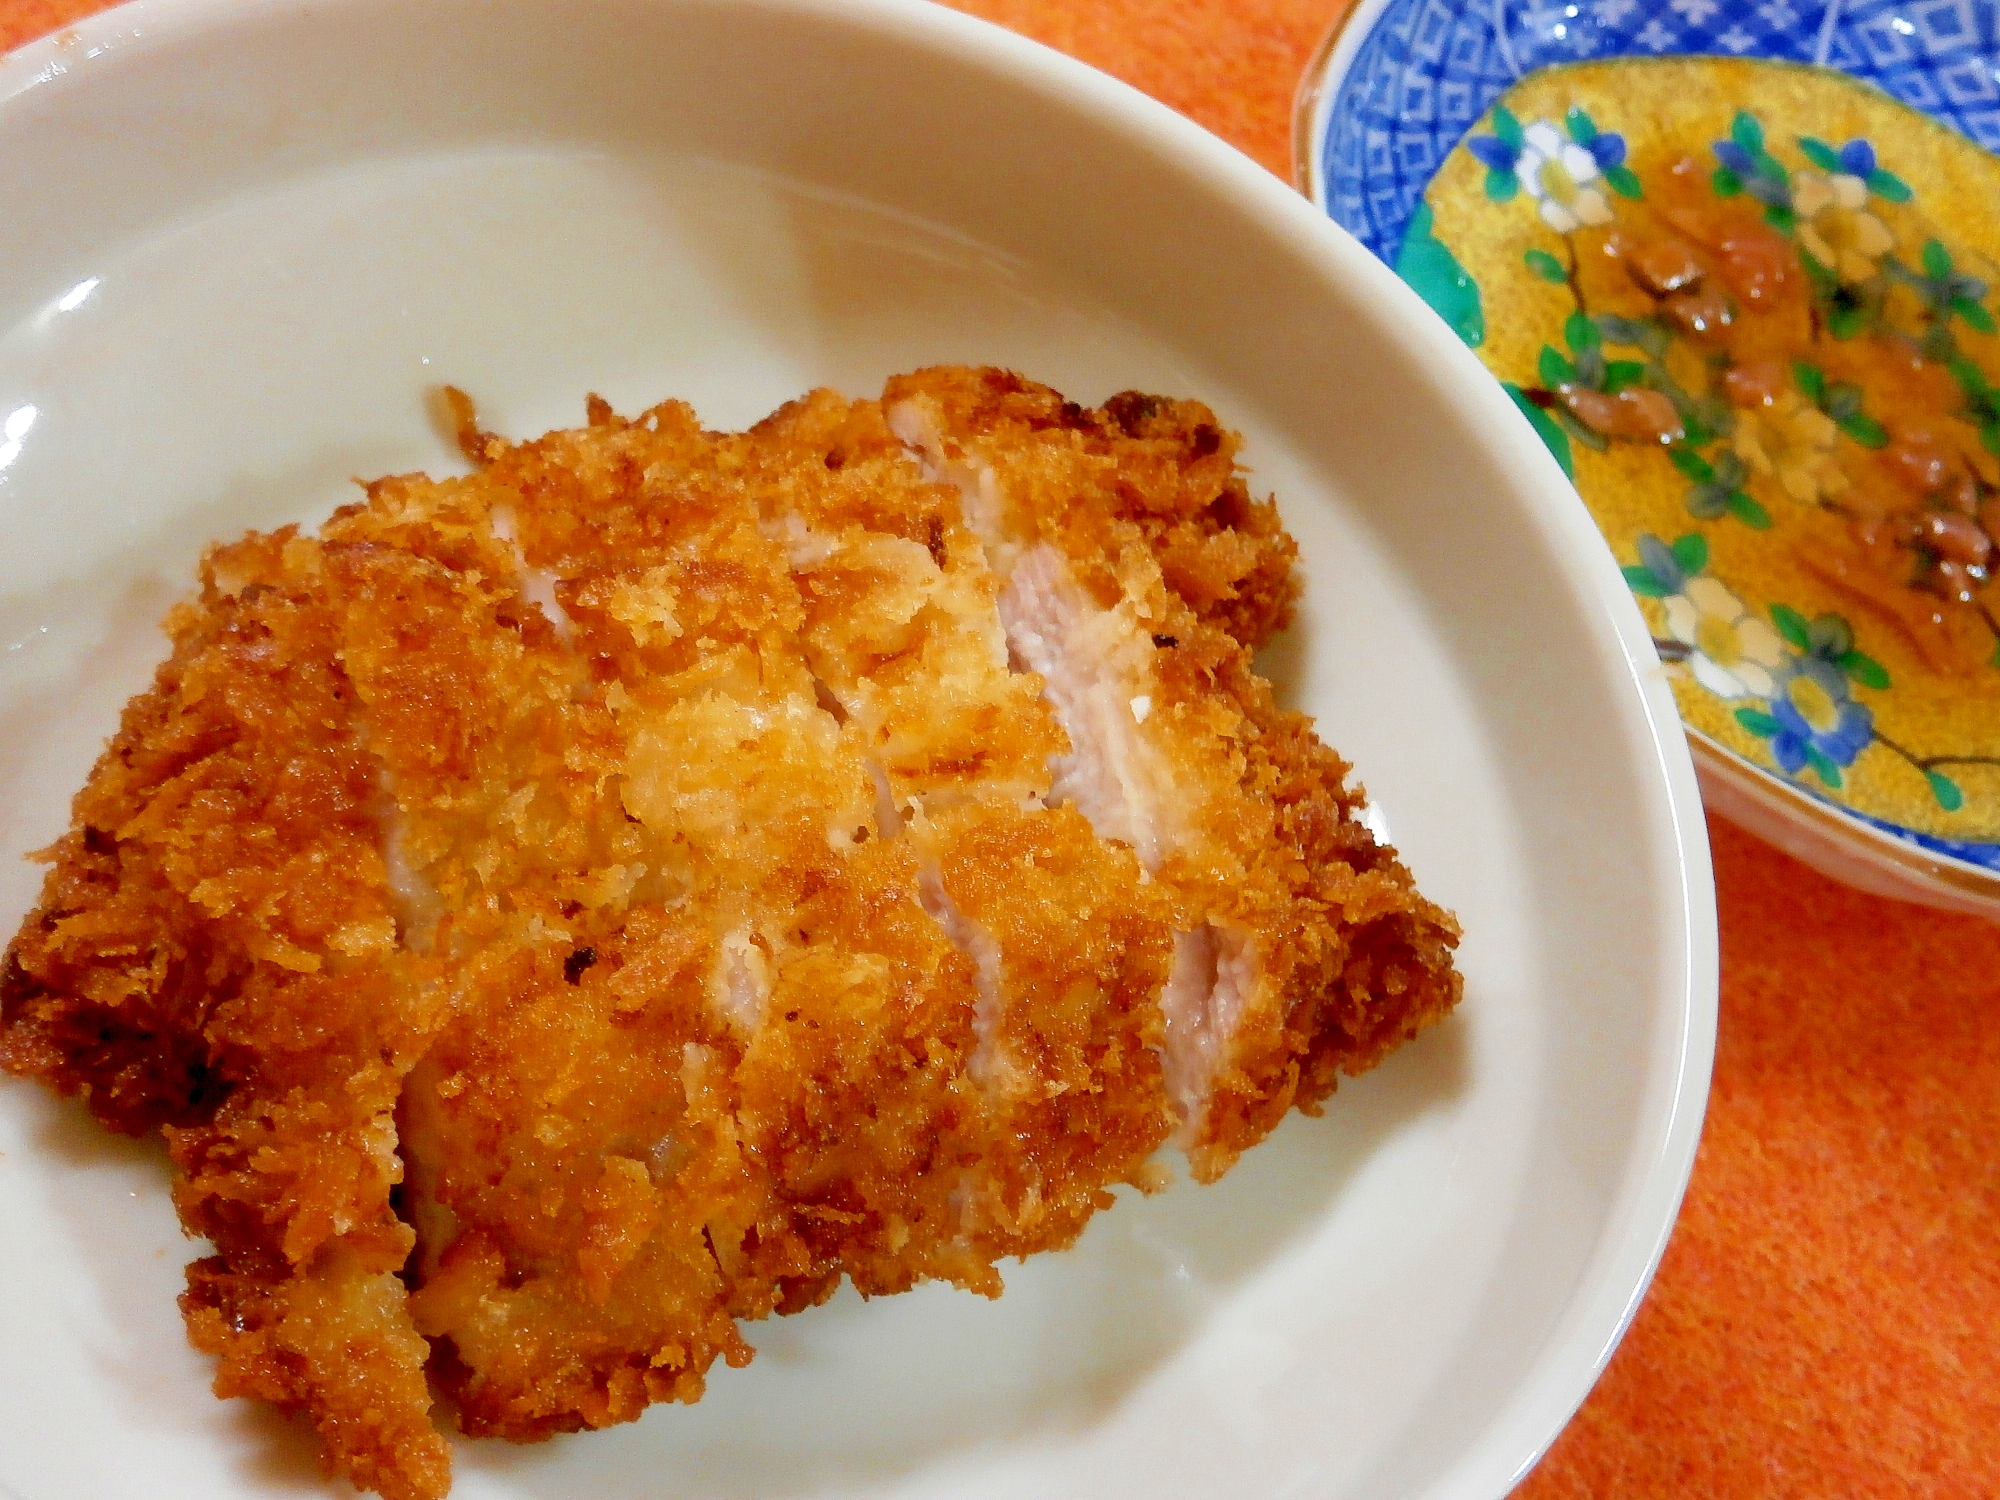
{"x":209,"y":957}
{"x":1256,"y":826}
{"x":1164,"y":469}
{"x":559,"y":913}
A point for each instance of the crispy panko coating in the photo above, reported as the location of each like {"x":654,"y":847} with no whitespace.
{"x":557,"y":915}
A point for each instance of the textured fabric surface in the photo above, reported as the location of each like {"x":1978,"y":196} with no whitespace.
{"x":1823,"y":1321}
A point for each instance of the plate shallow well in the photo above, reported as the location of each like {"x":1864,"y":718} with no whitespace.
{"x":251,"y":238}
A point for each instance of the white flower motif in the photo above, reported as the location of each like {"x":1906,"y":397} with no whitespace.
{"x":1563,"y":179}
{"x":1836,"y":226}
{"x":1733,"y":652}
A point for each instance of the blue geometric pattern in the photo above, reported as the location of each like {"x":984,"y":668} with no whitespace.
{"x":1429,"y":68}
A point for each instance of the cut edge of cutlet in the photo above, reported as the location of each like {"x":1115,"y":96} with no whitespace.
{"x":1116,"y":523}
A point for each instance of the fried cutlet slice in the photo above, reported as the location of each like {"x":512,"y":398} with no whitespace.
{"x":559,"y":913}
{"x":812,"y":1019}
{"x":215,"y":954}
{"x":526,"y":1125}
{"x":1068,"y":941}
{"x":1137,"y":578}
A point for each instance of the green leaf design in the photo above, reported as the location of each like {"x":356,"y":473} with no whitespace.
{"x":1506,"y":127}
{"x":1887,"y":185}
{"x":1427,"y":264}
{"x":1642,"y":580}
{"x":1725,"y":183}
{"x":1501,"y":186}
{"x":1545,"y":426}
{"x":1780,"y":217}
{"x":1692,"y":464}
{"x":1812,"y":381}
{"x":1545,"y":266}
{"x":1821,"y":763}
{"x":1865,"y":430}
{"x":1748,"y":511}
{"x":1843,"y":401}
{"x":1949,"y":797}
{"x":1746,"y":132}
{"x":1554,"y":370}
{"x":1975,"y":316}
{"x":1791,"y":625}
{"x":1989,"y":438}
{"x":1937,"y":260}
{"x":1624,"y":181}
{"x":1580,"y":333}
{"x":1581,"y":128}
{"x":1847,"y":321}
{"x":1622,"y":374}
{"x":1757,"y":722}
{"x":1691,"y":552}
{"x":1971,"y":379}
{"x":1819,"y":153}
{"x":1863,"y":668}
{"x":1824,"y":284}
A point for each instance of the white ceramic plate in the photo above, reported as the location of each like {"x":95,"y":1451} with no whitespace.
{"x":241,"y":242}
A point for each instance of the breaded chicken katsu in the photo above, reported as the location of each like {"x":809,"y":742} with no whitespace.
{"x":560,"y":914}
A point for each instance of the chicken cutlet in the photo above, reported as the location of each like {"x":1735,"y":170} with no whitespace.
{"x":559,"y":915}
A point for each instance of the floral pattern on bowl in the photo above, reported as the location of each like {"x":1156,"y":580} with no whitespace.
{"x":1787,"y":668}
{"x":1406,"y":79}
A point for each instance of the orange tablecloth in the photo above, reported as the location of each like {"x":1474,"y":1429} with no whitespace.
{"x":1827,"y":1319}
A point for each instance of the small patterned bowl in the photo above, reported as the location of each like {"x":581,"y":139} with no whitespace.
{"x":1398,"y":112}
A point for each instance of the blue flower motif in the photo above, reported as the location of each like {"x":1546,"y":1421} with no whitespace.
{"x":1809,"y":716}
{"x":1735,"y":158}
{"x":1817,"y":721}
{"x":1752,"y":172}
{"x":1857,"y":159}
{"x":1608,"y":147}
{"x":1517,"y":156}
{"x":1495,"y":154}
{"x":1607,"y":150}
{"x":1748,"y":167}
{"x":1500,"y":154}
